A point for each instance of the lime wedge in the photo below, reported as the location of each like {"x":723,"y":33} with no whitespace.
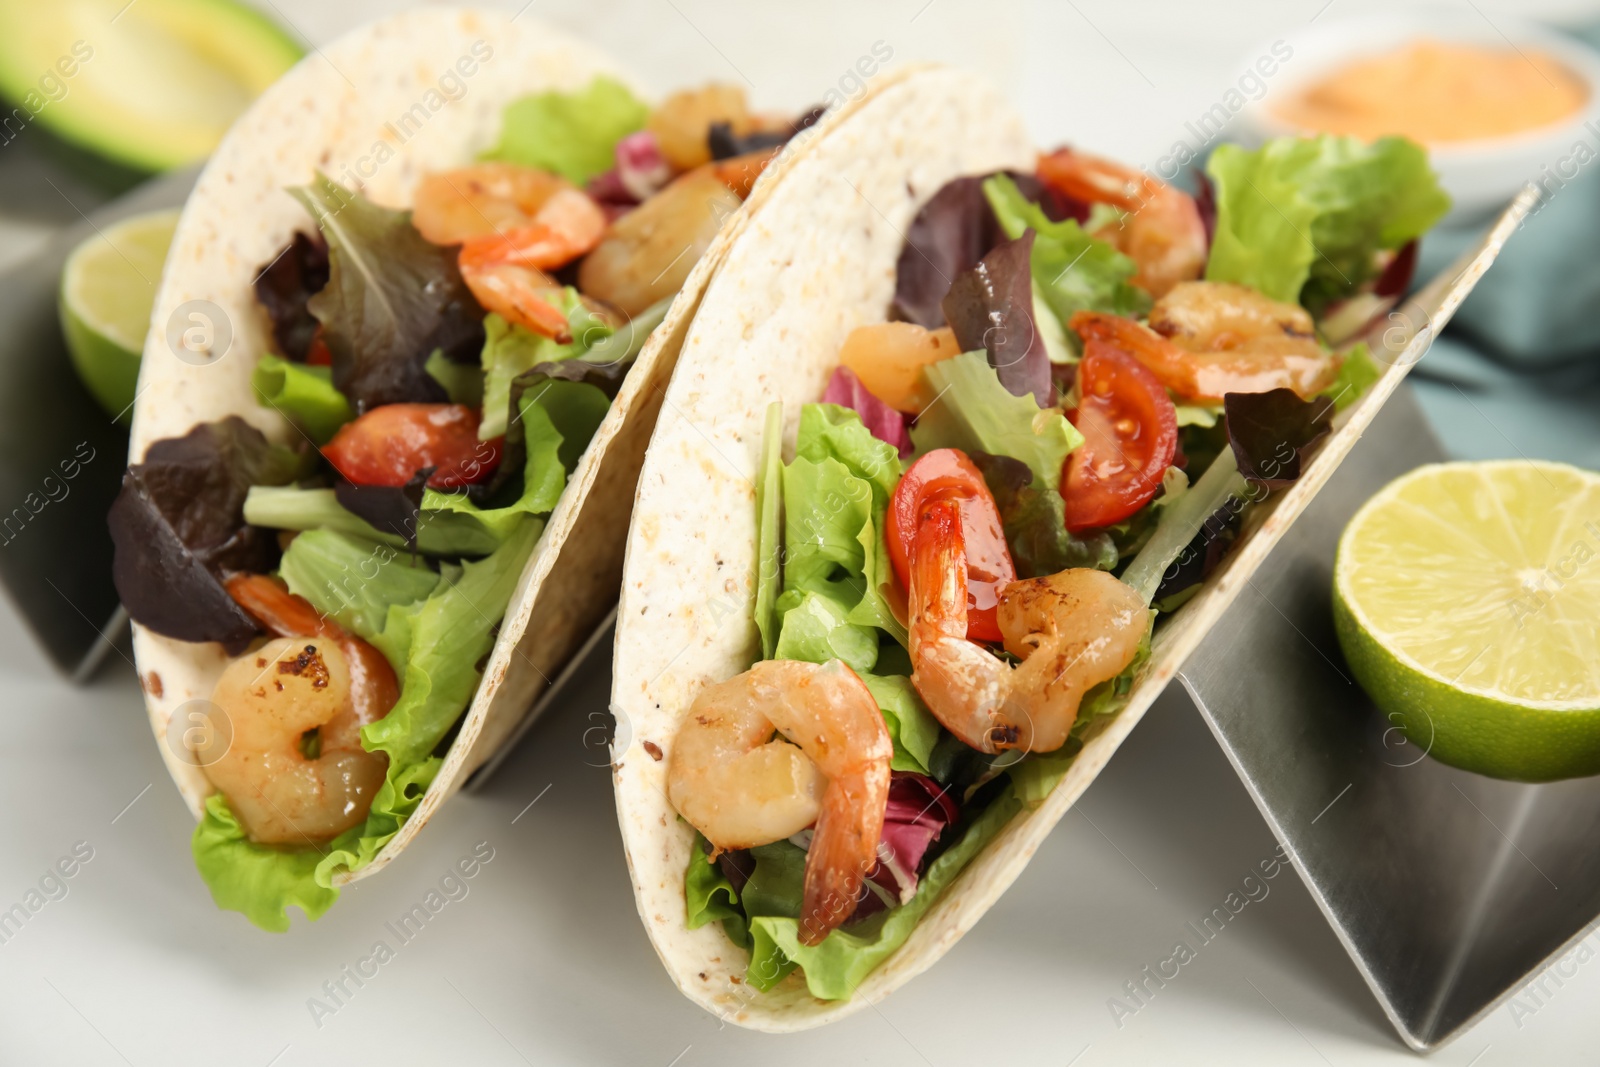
{"x":1467,"y":602}
{"x":152,"y":83}
{"x":107,"y":290}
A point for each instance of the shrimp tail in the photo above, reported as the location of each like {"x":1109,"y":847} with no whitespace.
{"x":844,"y":849}
{"x":958,"y":680}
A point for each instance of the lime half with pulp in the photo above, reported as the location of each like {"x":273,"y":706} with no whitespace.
{"x":1467,"y":602}
{"x":107,"y":290}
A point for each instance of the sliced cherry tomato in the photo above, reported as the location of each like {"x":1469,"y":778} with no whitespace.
{"x":1130,"y":435}
{"x":947,"y":474}
{"x":389,"y":444}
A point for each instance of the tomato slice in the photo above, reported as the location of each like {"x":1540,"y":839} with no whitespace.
{"x":947,"y":474}
{"x":389,"y":444}
{"x":1130,"y":435}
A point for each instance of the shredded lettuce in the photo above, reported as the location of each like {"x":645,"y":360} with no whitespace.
{"x":1300,"y":218}
{"x":573,"y":134}
{"x":440,"y":640}
{"x":302,"y":393}
{"x":975,"y":413}
{"x":1073,"y":271}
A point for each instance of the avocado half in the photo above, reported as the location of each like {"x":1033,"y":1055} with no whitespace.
{"x":153,"y":84}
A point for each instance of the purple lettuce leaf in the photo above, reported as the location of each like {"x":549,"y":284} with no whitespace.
{"x":918,"y":812}
{"x":395,"y":509}
{"x":952,"y":232}
{"x":990,"y":307}
{"x":178,"y":528}
{"x":881,"y":420}
{"x":392,"y":298}
{"x":1270,"y":433}
{"x":285,"y":287}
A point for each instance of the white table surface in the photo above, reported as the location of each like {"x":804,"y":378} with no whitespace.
{"x":544,"y":961}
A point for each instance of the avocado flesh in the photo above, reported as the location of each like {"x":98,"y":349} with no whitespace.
{"x":154,"y":84}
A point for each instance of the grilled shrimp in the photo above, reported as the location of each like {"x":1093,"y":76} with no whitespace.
{"x":1072,"y":631}
{"x":1206,"y":339}
{"x":1161,"y":231}
{"x":649,"y":252}
{"x":452,"y":207}
{"x":295,"y":771}
{"x":513,"y":223}
{"x":742,"y":787}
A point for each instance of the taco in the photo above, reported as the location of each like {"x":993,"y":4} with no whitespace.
{"x":967,"y":448}
{"x":408,"y":348}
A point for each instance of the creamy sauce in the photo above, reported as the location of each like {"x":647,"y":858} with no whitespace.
{"x":1437,"y":92}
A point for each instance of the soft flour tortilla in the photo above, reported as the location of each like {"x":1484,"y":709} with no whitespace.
{"x":815,"y":257}
{"x":330,"y":113}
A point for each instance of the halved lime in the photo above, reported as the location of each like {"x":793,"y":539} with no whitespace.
{"x":107,"y":290}
{"x":151,"y":83}
{"x":1467,"y":602}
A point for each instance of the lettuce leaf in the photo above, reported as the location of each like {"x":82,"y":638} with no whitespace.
{"x":572,"y":134}
{"x":392,"y":298}
{"x":353,"y":580}
{"x":1300,"y":218}
{"x":1074,"y":272}
{"x":836,"y":967}
{"x":990,"y":307}
{"x":510,"y":350}
{"x":769,"y":511}
{"x":179,"y":524}
{"x":816,"y":629}
{"x":440,"y":640}
{"x":1358,"y":371}
{"x":1035,"y":522}
{"x":260,"y":881}
{"x":304,"y":394}
{"x":912,"y":727}
{"x":708,"y":896}
{"x":292,"y":508}
{"x":975,"y":413}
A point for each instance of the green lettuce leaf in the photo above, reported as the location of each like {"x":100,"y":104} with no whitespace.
{"x":1300,"y":217}
{"x":573,"y":134}
{"x":769,"y":511}
{"x":258,"y":880}
{"x":302,"y":393}
{"x":708,"y":896}
{"x":975,"y":413}
{"x":1073,"y":271}
{"x":816,"y":629}
{"x":353,"y":580}
{"x":912,"y":727}
{"x":462,"y":382}
{"x":510,"y":350}
{"x":289,"y":507}
{"x":1357,"y":373}
{"x":836,"y":967}
{"x":440,"y":640}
